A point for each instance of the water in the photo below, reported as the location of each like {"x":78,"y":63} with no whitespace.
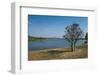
{"x":50,"y":43}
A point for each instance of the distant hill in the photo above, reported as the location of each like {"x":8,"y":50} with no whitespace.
{"x":37,"y":37}
{"x":44,"y":37}
{"x":31,"y":38}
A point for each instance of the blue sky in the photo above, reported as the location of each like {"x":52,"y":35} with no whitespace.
{"x":53,"y":26}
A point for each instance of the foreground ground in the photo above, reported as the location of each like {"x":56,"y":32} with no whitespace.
{"x":57,"y":53}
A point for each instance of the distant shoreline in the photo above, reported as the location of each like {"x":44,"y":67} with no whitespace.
{"x":31,"y":38}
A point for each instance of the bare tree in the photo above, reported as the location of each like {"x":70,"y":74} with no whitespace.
{"x":72,"y":34}
{"x":86,"y":38}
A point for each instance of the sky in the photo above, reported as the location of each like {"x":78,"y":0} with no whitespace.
{"x":53,"y":26}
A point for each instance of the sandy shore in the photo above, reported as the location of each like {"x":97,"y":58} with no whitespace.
{"x":53,"y":49}
{"x":57,"y":53}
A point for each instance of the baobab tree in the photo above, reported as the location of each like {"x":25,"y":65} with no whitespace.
{"x":73,"y":33}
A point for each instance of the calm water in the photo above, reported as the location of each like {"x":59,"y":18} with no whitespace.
{"x":50,"y":43}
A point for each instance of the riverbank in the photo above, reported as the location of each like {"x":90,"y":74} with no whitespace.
{"x":57,"y":53}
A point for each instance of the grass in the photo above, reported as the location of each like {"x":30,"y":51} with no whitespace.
{"x":82,"y":46}
{"x":59,"y":53}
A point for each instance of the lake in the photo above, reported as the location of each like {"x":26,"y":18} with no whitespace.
{"x":50,"y":43}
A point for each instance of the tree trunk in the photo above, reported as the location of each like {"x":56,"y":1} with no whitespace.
{"x":72,"y":47}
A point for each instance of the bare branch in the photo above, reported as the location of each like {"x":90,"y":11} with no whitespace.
{"x":73,"y":33}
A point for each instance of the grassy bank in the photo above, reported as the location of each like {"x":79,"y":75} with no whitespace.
{"x":58,"y":53}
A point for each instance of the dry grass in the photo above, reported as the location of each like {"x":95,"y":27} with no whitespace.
{"x":57,"y":53}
